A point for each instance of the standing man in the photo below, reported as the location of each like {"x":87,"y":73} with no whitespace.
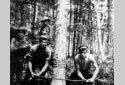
{"x":38,"y":61}
{"x":45,"y":28}
{"x":86,"y":67}
{"x":18,"y":48}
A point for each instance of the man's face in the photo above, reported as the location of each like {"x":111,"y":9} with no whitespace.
{"x":44,"y":42}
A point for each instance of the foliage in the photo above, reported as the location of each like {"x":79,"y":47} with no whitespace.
{"x":82,"y":30}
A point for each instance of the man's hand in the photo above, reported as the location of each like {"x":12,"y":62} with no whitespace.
{"x":90,"y":80}
{"x":84,"y":80}
{"x":38,"y":74}
{"x":32,"y":75}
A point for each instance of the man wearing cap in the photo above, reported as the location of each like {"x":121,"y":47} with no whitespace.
{"x":45,"y":28}
{"x":86,"y":67}
{"x":20,"y":40}
{"x":18,"y":48}
{"x":38,"y":59}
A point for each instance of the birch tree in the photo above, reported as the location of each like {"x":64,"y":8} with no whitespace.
{"x":61,"y":42}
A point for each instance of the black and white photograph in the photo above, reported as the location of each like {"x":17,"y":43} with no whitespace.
{"x":61,"y":42}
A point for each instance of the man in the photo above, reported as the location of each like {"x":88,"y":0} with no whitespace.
{"x":45,"y":28}
{"x":18,"y":48}
{"x":38,"y":60}
{"x":86,"y":66}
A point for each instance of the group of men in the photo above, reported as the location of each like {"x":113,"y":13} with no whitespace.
{"x":37,"y":58}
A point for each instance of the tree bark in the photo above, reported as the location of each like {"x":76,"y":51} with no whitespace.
{"x":74,"y":46}
{"x":61,"y":42}
{"x":34,"y":15}
{"x":36,"y":11}
{"x":22,"y":13}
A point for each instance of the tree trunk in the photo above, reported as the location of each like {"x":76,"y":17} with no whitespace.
{"x":61,"y":42}
{"x":22,"y":14}
{"x":110,"y":24}
{"x":69,"y":39}
{"x":34,"y":13}
{"x":101,"y":50}
{"x":53,"y":11}
{"x":74,"y":37}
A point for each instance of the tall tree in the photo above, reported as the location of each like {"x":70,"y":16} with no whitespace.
{"x":33,"y":22}
{"x":62,"y":24}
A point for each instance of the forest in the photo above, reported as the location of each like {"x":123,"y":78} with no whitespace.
{"x":73,"y":23}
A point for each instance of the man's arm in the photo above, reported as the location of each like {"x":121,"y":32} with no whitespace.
{"x":78,"y":68}
{"x":30,"y":68}
{"x":96,"y":69}
{"x":12,"y":46}
{"x":48,"y":50}
{"x":29,"y":55}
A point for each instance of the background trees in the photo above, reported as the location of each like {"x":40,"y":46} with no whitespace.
{"x":88,"y":22}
